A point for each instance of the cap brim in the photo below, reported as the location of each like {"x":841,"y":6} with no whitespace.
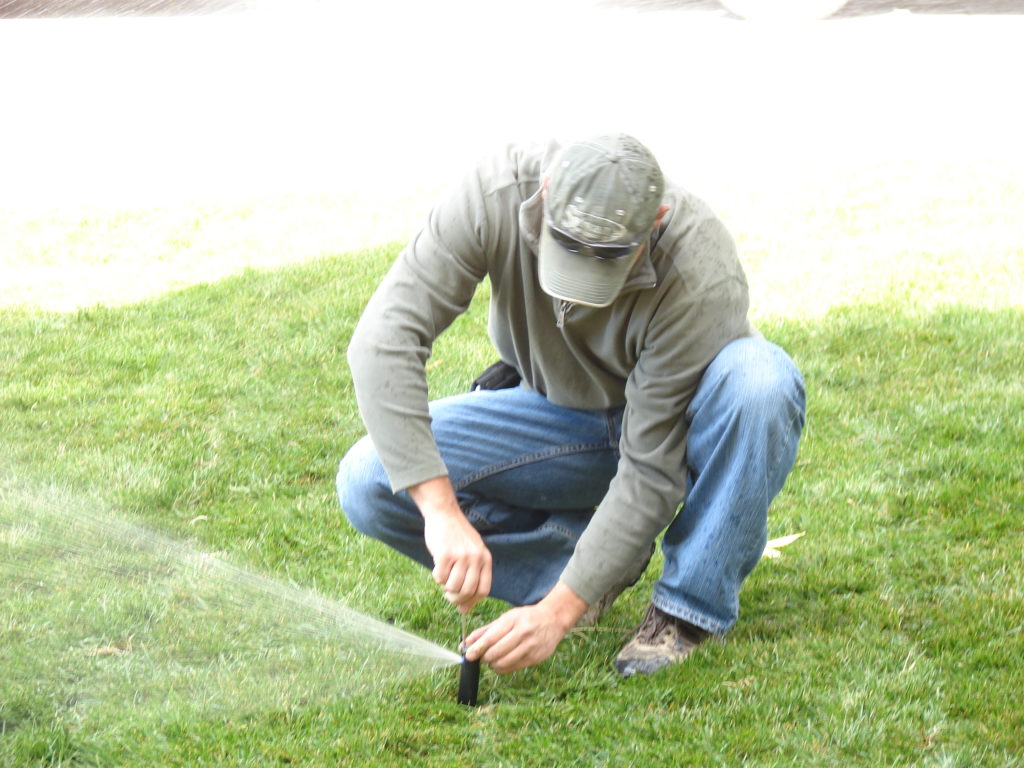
{"x":580,"y":279}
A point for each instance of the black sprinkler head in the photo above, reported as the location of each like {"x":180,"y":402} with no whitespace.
{"x":469,"y":682}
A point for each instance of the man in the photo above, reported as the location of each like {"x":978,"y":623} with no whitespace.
{"x":620,"y":302}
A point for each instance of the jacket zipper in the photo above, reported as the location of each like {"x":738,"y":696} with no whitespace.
{"x":563,"y":310}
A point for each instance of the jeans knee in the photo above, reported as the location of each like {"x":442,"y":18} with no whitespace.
{"x":359,"y":483}
{"x":762,"y":379}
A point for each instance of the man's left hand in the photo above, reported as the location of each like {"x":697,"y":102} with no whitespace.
{"x":528,"y":635}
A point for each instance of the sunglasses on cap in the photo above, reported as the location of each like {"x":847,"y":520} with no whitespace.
{"x":571,"y":244}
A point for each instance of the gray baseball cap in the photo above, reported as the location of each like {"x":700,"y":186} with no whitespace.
{"x":602,"y":199}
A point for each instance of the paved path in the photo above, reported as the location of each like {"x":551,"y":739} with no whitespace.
{"x":55,"y":8}
{"x":313,"y":96}
{"x":380,"y":107}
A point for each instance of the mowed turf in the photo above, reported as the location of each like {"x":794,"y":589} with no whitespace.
{"x":892,"y":633}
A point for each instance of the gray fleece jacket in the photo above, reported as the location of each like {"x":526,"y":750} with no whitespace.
{"x":684,"y":300}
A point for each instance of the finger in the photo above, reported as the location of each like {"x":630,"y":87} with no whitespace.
{"x":477,"y":644}
{"x":476,"y":580}
{"x":462,"y":602}
{"x":473,"y":636}
{"x":518,"y":658}
{"x":484,"y":587}
{"x":506,"y":651}
{"x":474,"y":649}
{"x":470,"y":584}
{"x":456,"y":578}
{"x":505,"y":643}
{"x":481,"y":639}
{"x":442,"y":570}
{"x":523,"y":647}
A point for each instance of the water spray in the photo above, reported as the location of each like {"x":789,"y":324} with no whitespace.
{"x":95,"y":611}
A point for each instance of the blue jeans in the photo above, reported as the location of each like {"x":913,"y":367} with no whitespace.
{"x":528,"y":475}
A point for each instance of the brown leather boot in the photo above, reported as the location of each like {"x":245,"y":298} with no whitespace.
{"x":660,"y":640}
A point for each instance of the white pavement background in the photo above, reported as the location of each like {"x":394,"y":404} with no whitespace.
{"x":383,"y":104}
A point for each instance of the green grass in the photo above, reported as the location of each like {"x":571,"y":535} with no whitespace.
{"x":891,"y":634}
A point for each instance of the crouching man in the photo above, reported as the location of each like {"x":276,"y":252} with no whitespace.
{"x":618,"y":300}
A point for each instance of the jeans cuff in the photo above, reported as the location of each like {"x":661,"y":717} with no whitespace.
{"x":682,"y":610}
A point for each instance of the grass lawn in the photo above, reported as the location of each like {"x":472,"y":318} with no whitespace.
{"x":892,"y":633}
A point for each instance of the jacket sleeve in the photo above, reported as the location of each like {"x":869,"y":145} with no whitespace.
{"x":688,"y":330}
{"x":431,"y":282}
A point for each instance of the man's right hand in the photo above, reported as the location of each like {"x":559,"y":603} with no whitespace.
{"x":462,"y":562}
